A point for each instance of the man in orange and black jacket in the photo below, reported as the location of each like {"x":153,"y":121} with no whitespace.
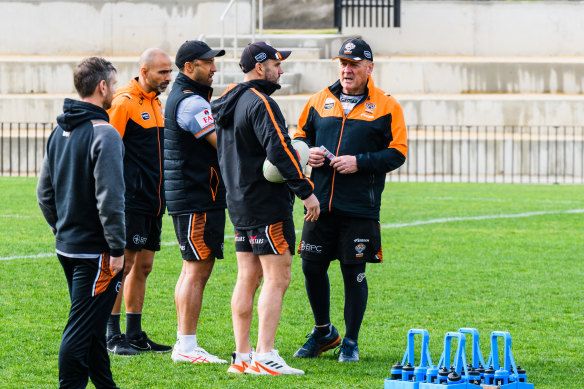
{"x":357,"y":135}
{"x":136,"y":113}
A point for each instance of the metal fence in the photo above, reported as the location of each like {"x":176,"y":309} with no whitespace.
{"x":494,"y":154}
{"x":367,"y":13}
{"x":489,"y":154}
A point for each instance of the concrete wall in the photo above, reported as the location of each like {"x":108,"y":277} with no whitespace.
{"x":497,"y":28}
{"x":101,"y":27}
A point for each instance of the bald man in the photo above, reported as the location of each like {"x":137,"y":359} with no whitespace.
{"x":136,"y":113}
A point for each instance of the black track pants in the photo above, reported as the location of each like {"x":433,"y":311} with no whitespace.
{"x":83,"y":352}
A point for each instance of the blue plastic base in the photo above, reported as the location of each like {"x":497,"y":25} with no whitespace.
{"x":396,"y":384}
{"x":516,"y":385}
{"x":450,"y":386}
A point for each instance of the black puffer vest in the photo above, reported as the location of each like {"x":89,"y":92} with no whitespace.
{"x":192,"y":180}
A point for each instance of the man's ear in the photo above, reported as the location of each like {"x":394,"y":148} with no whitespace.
{"x":143,"y":70}
{"x":102,"y":88}
{"x":259,"y":68}
{"x":370,"y":69}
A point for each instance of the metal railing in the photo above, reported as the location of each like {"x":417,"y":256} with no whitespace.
{"x":22,"y":147}
{"x":253,"y":24}
{"x":489,"y":154}
{"x":494,"y":154}
{"x":367,"y":13}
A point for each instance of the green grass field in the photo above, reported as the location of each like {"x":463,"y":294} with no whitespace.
{"x":493,"y":257}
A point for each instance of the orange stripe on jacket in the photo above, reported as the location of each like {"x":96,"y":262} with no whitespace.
{"x":197,"y":235}
{"x":300,"y":174}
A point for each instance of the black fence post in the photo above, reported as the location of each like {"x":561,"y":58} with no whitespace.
{"x":397,"y":13}
{"x":339,"y":15}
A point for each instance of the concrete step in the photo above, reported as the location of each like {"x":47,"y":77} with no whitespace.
{"x":399,"y":75}
{"x":438,"y":109}
{"x":325,"y":44}
{"x":305,"y":53}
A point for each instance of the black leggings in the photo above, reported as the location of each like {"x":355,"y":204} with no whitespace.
{"x":318,"y":291}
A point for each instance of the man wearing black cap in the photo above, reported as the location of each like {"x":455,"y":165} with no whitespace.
{"x":195,"y":194}
{"x":357,"y":135}
{"x":250,"y":127}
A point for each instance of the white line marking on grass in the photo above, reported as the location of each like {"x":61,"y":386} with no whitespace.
{"x":17,"y":216}
{"x":472,"y":218}
{"x":396,"y":225}
{"x":28,"y":256}
{"x":497,"y":200}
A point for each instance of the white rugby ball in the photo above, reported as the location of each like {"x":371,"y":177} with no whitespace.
{"x":271,"y":172}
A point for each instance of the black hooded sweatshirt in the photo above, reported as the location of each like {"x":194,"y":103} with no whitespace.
{"x":251,"y":127}
{"x":81,"y":186}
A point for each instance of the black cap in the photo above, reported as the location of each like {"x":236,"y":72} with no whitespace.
{"x":191,"y":50}
{"x":259,"y":52}
{"x":355,"y":49}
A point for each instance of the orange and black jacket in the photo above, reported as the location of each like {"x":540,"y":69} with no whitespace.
{"x":138,"y":117}
{"x":251,"y":127}
{"x":374,"y":132}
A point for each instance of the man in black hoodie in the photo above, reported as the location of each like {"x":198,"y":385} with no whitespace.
{"x":81,"y":194}
{"x":251,"y":127}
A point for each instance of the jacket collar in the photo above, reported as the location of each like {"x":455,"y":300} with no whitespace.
{"x":263,"y":86}
{"x":135,"y":89}
{"x":186,"y":83}
{"x":337,"y":88}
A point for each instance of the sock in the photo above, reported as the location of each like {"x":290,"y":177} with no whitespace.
{"x":325,"y":330}
{"x":246,"y":357}
{"x":113,"y":325}
{"x":187,"y":343}
{"x":318,"y":290}
{"x":356,"y":293}
{"x":133,"y":325}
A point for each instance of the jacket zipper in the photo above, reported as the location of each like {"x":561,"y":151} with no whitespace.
{"x":339,"y":145}
{"x":159,"y":157}
{"x":372,"y":188}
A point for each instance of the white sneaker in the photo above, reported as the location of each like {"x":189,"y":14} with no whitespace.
{"x":270,"y":364}
{"x":239,"y":362}
{"x":196,"y":355}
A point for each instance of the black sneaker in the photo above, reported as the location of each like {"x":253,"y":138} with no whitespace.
{"x":317,"y":344}
{"x":348,"y":352}
{"x":118,"y":345}
{"x":143,"y":343}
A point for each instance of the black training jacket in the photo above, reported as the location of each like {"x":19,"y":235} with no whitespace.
{"x":251,"y":127}
{"x":81,"y":186}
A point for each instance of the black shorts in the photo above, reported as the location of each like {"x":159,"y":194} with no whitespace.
{"x":143,"y":232}
{"x":351,"y":240}
{"x":200,"y":235}
{"x":271,"y":239}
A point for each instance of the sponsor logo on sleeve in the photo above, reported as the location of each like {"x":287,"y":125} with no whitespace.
{"x":205,"y":118}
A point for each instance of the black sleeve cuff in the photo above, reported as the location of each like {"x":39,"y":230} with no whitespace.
{"x":116,"y":252}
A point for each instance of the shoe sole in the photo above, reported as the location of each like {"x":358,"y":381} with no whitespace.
{"x":139,"y":349}
{"x":122,"y":355}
